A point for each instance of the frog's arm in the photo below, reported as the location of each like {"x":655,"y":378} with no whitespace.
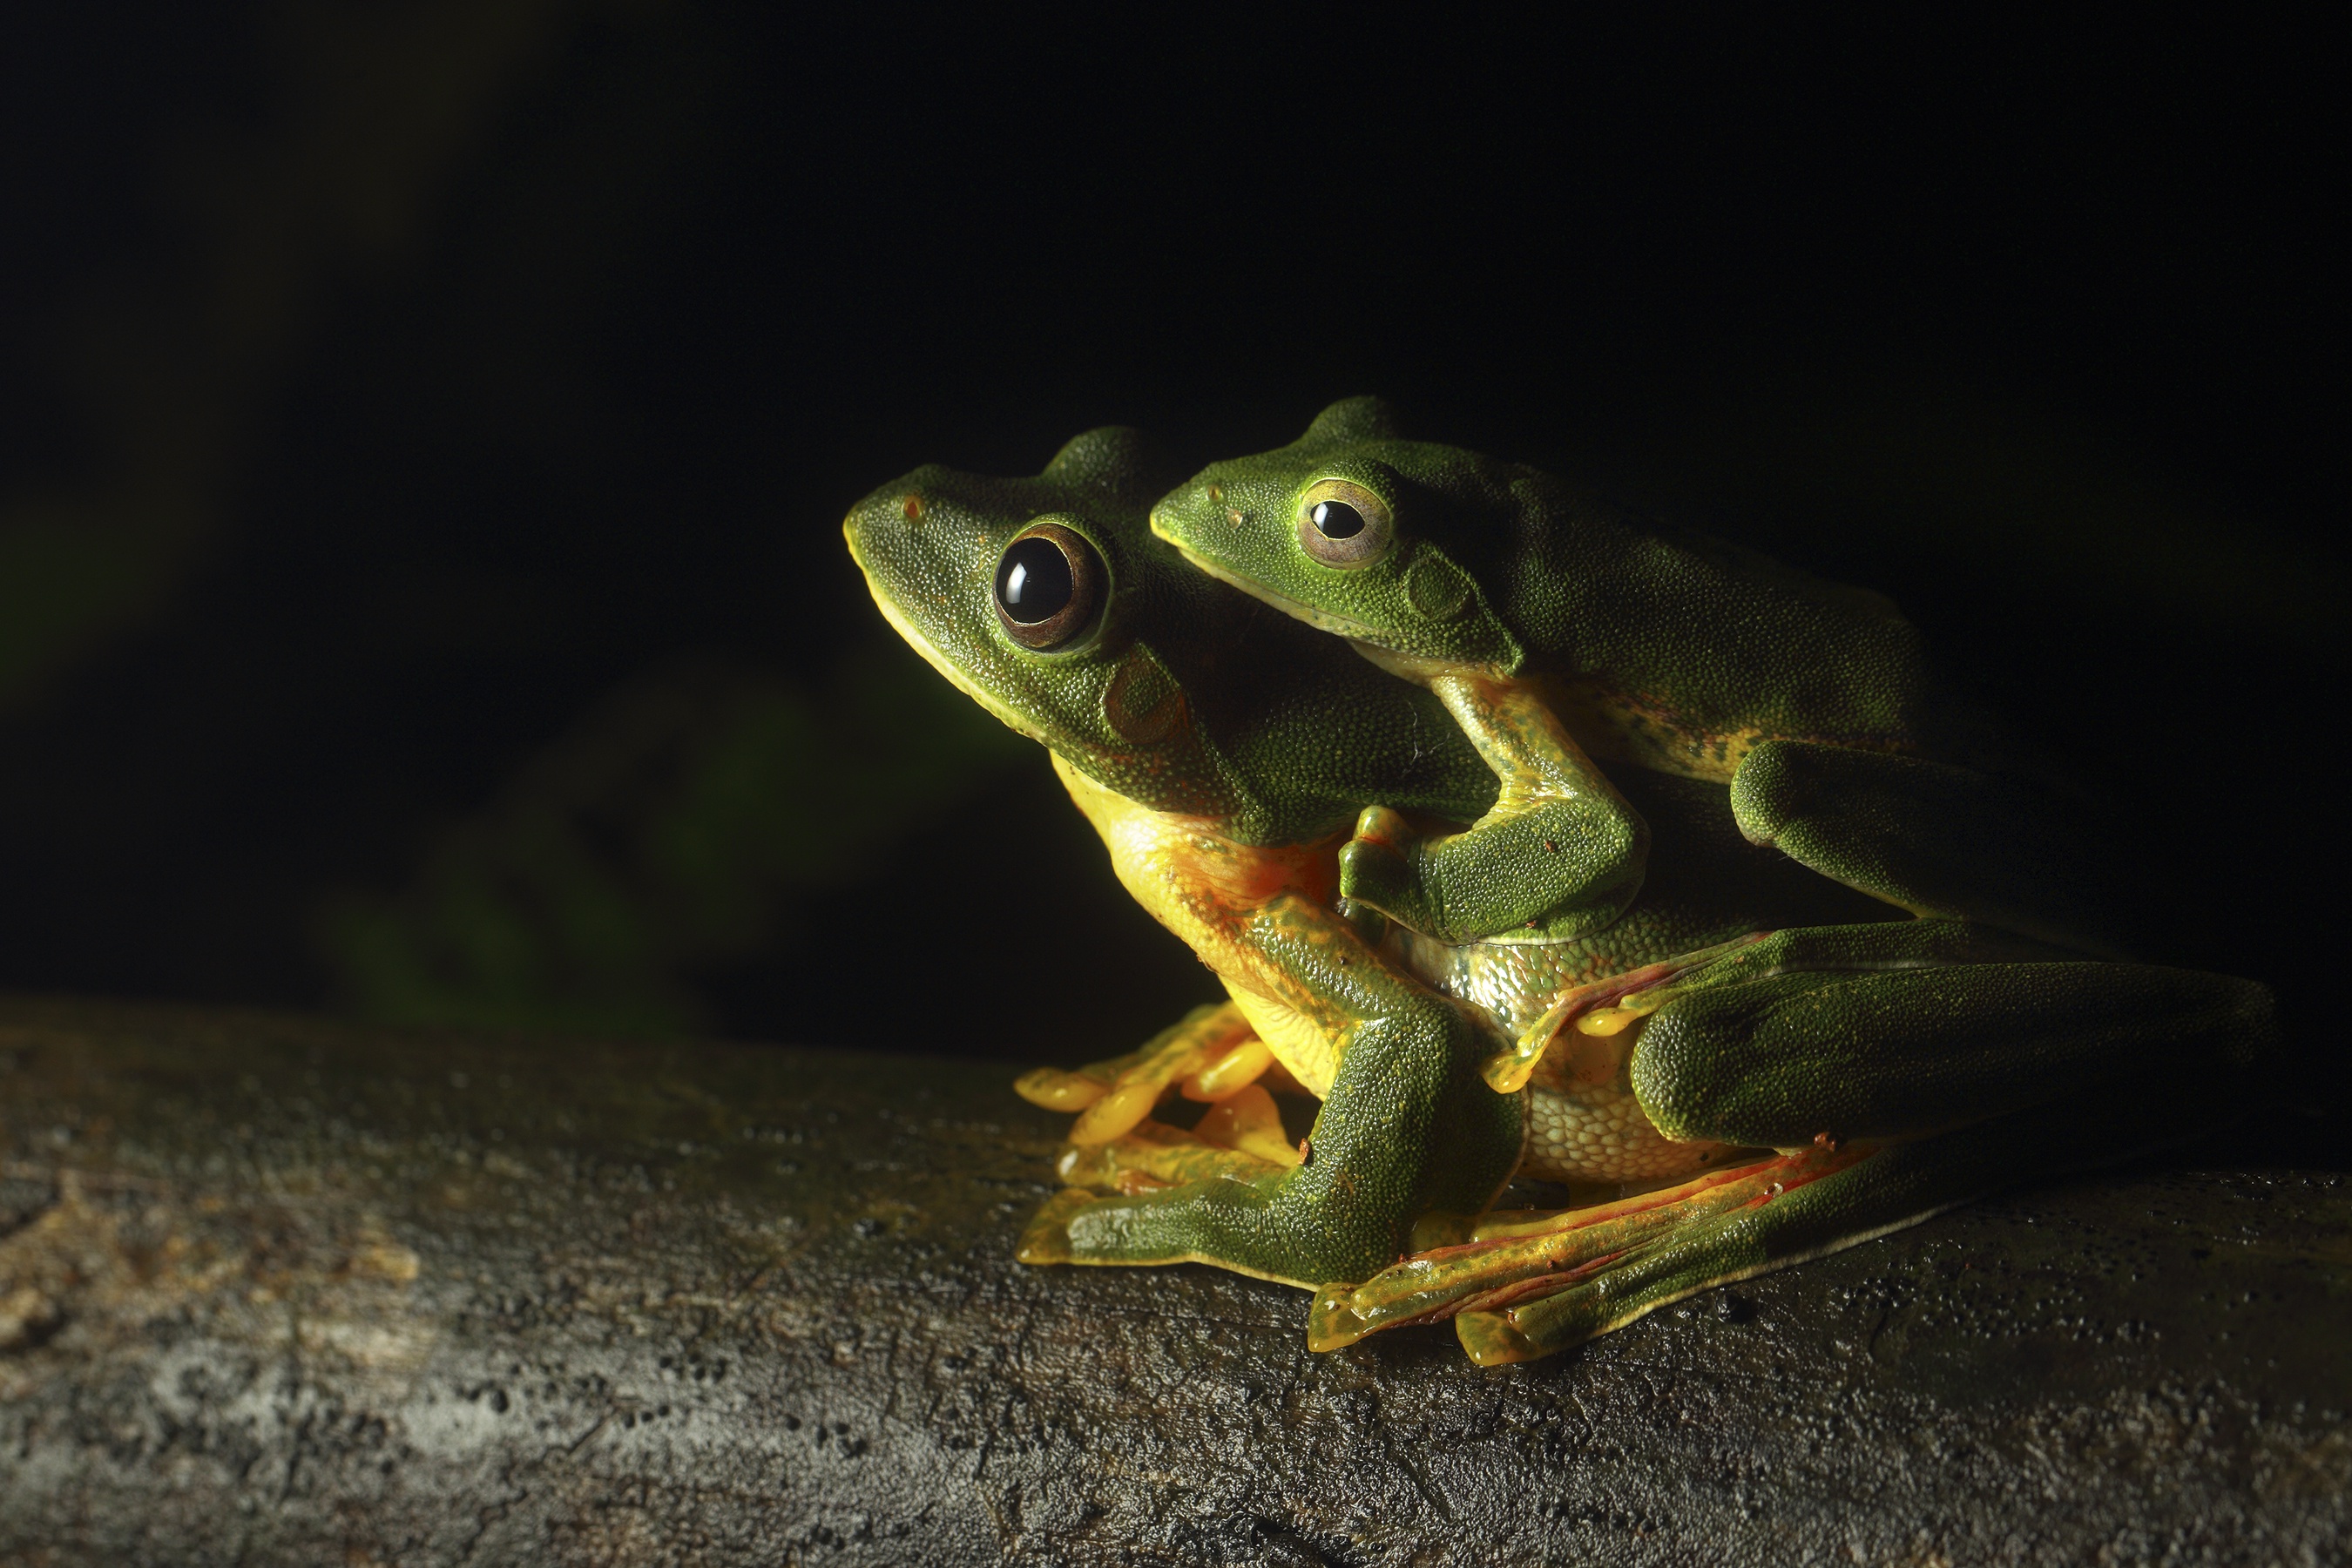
{"x":1406,"y":1126}
{"x":1559,"y":857}
{"x":1930,"y":837}
{"x":1407,"y":1129}
{"x":1899,"y":1069}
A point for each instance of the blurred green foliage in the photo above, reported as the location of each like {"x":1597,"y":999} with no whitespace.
{"x":693,"y":817}
{"x":426,"y":424}
{"x":174,"y":363}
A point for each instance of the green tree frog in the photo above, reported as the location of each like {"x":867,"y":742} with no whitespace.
{"x":1554,"y":630}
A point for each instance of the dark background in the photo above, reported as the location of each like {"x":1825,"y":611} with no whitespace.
{"x":425,"y":430}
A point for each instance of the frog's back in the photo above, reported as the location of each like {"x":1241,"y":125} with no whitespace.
{"x":1681,"y":652}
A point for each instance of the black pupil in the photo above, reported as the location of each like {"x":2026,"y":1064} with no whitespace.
{"x":1033,"y":581}
{"x":1337,"y":520}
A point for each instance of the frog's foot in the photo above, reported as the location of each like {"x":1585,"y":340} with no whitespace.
{"x":1239,"y":1140}
{"x":1233,"y":1221}
{"x":1517,"y":1257}
{"x":1379,"y":869}
{"x":1584,"y":1020}
{"x":1327,"y":1217}
{"x":1211,"y":1053}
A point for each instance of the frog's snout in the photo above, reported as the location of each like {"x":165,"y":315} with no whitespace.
{"x":878,"y":520}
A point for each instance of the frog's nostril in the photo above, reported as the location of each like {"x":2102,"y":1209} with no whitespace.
{"x":911,"y":508}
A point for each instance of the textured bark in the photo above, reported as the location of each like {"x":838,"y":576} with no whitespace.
{"x":277,"y":1291}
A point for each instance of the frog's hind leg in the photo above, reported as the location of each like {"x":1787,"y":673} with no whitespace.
{"x":1807,"y":1206}
{"x":1896,"y":1031}
{"x":1408,"y":1130}
{"x":1936,"y":839}
{"x":1515,"y":1258}
{"x":1900,"y":1068}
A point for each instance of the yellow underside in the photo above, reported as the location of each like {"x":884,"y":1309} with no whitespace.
{"x":1297,"y":1043}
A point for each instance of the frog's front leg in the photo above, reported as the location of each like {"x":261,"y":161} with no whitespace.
{"x":1900,"y":1068}
{"x":1407,"y":1129}
{"x":1560,"y":855}
{"x":1930,"y":837}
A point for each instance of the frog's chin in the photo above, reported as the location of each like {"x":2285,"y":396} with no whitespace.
{"x":951,"y":674}
{"x":1322,"y":620}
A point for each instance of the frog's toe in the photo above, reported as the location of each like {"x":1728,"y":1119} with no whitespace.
{"x":1377,"y":868}
{"x":1229,"y":1073}
{"x":1489,"y":1340}
{"x":1208,"y":1039}
{"x":1046,"y":1239}
{"x":1248,"y":1121}
{"x":1153,"y":1155}
{"x":1212,"y":1050}
{"x":1057,"y":1090}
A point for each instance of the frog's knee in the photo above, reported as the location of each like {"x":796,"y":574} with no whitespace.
{"x":1775,"y":786}
{"x":1386,"y":827}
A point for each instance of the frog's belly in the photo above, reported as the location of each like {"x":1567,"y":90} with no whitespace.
{"x":1602,"y":1135}
{"x":1582,"y":1132}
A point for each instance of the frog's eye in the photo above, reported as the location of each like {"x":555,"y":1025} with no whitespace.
{"x":1049,"y":582}
{"x":1341,"y":523}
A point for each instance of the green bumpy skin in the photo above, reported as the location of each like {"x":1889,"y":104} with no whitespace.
{"x":1181,"y":694}
{"x":1519,"y":599}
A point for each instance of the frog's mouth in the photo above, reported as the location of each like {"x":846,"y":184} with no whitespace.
{"x":1322,"y":620}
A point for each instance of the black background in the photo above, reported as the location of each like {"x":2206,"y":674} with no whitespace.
{"x":426,"y":428}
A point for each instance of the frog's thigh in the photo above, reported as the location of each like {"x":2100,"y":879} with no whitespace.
{"x":1881,"y":1192}
{"x":1928,"y":836}
{"x":1778,"y":1060}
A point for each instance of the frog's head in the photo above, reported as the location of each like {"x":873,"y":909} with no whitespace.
{"x":1357,"y":531}
{"x":1048,"y":601}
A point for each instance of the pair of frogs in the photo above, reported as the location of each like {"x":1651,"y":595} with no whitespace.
{"x":1811,"y":961}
